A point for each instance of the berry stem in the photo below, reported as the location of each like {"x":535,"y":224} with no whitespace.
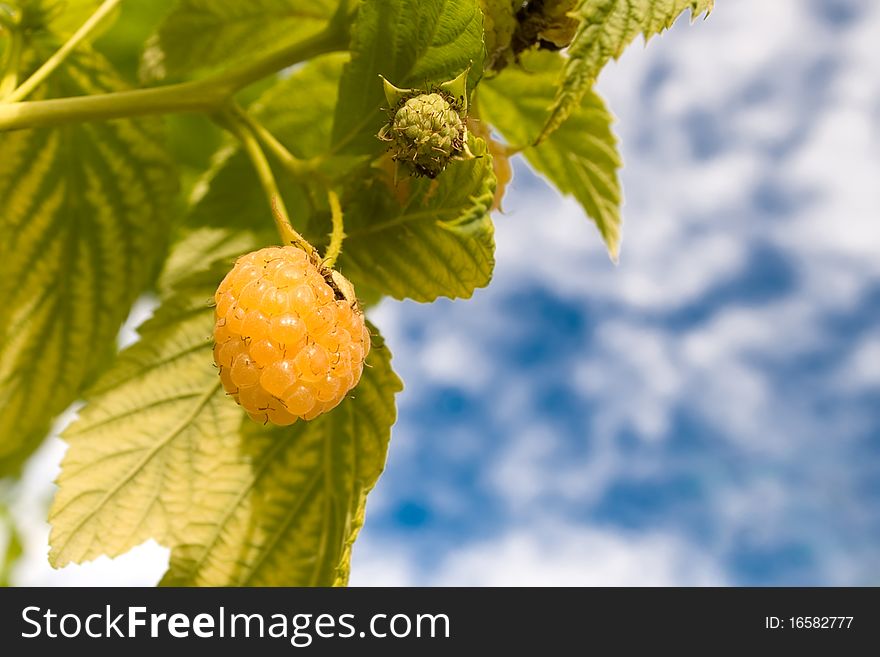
{"x":302,"y":170}
{"x":232,"y":121}
{"x":41,"y":74}
{"x":295,"y":166}
{"x":338,"y":233}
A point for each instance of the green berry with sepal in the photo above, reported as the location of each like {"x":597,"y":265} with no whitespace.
{"x":427,"y":129}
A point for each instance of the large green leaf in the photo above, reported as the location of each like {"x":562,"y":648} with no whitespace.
{"x":412,"y":44}
{"x":607,"y":28}
{"x":580,"y":158}
{"x":157,"y":440}
{"x":420,"y":239}
{"x":84,"y":214}
{"x":292,"y":520}
{"x":200,"y":34}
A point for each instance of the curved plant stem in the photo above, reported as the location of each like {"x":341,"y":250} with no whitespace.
{"x":301,"y":170}
{"x":338,"y":233}
{"x":211,"y":94}
{"x":295,"y":166}
{"x":11,"y":62}
{"x":41,"y":74}
{"x":231,"y":120}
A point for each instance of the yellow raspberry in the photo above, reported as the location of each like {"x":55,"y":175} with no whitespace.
{"x":289,"y":338}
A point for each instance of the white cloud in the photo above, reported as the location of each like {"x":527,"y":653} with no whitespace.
{"x":550,"y":555}
{"x":382,"y":565}
{"x":453,"y":359}
{"x":143,"y":565}
{"x":636,"y":377}
{"x":141,"y":311}
{"x":861,"y":370}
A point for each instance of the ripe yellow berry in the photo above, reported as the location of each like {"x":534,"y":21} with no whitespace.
{"x":290,"y":340}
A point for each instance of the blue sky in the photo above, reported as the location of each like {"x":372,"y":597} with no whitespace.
{"x":708,"y":411}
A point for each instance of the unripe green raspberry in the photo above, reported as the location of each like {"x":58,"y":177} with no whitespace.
{"x":426,"y":129}
{"x":426,"y":132}
{"x":289,"y":338}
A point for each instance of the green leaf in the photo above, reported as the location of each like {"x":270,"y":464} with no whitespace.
{"x":580,"y":158}
{"x":292,"y":520}
{"x":68,"y":16}
{"x":157,"y":440}
{"x":412,"y":44}
{"x":84,"y":214}
{"x":60,"y":18}
{"x":198,"y":252}
{"x":607,"y":28}
{"x":299,"y":109}
{"x":123,"y":45}
{"x":201,"y":34}
{"x":421,"y":239}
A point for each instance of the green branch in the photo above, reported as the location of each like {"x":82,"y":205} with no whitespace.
{"x":41,"y":74}
{"x":210,"y":95}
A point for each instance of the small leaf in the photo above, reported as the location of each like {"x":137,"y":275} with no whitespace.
{"x":84,"y":214}
{"x":411,"y":44}
{"x":201,"y":34}
{"x":293,"y":519}
{"x":606,"y":28}
{"x":421,"y":239}
{"x":580,"y":158}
